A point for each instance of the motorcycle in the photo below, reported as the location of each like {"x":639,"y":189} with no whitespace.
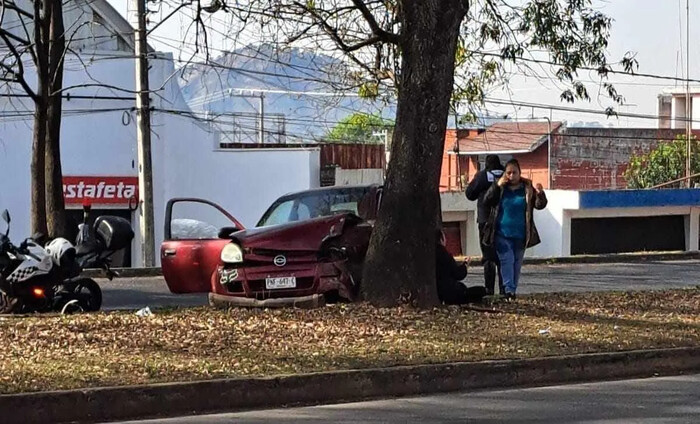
{"x":44,"y":279}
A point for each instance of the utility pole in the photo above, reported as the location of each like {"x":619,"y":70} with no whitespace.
{"x":549,"y":153}
{"x":143,"y":125}
{"x":261,"y":135}
{"x":688,"y":111}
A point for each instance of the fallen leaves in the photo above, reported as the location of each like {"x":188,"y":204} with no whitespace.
{"x":46,"y":353}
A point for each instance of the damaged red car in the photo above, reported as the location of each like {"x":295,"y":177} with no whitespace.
{"x":307,"y":248}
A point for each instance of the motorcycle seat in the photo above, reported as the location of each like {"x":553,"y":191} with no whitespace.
{"x":86,"y":248}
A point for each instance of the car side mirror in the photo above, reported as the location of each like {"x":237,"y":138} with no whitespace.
{"x":226,"y":232}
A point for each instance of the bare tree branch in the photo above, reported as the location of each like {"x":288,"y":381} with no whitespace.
{"x":385,"y":36}
{"x":19,"y":74}
{"x":335,"y":35}
{"x":14,"y":37}
{"x":13,"y":6}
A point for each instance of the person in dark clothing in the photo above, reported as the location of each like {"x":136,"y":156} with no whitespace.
{"x":449,"y":274}
{"x":476,"y":190}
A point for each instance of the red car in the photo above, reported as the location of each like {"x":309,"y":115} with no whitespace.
{"x":308,"y":247}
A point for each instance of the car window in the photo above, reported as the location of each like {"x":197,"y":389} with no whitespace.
{"x":191,"y":229}
{"x":314,"y":205}
{"x":281,"y":213}
{"x":303,"y":212}
{"x":344,"y":207}
{"x":191,"y":220}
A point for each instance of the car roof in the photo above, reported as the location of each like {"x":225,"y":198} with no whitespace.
{"x":327,"y":189}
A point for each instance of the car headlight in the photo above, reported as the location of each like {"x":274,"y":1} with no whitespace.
{"x":232,"y":254}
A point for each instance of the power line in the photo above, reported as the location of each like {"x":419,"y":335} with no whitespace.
{"x":574,"y":109}
{"x":69,"y":96}
{"x":587,"y":68}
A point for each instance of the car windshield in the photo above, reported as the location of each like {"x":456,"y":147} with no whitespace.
{"x":313,"y":205}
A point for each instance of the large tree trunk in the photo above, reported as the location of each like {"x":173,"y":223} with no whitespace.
{"x":37,"y":167}
{"x":400,"y":263}
{"x":55,"y":207}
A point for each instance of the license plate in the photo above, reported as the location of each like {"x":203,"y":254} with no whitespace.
{"x":280,"y":283}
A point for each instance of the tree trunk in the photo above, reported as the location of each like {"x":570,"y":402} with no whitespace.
{"x":38,"y":206}
{"x":37,"y":167}
{"x":400,"y":263}
{"x":55,"y":207}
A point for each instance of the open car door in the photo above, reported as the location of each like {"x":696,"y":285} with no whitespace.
{"x":196,"y":231}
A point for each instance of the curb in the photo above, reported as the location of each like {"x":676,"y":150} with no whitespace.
{"x":615,"y":258}
{"x":581,"y":259}
{"x":178,"y":399}
{"x":125,"y":272}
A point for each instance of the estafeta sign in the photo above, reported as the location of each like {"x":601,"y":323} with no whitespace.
{"x":101,"y":190}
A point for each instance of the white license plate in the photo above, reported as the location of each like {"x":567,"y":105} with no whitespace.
{"x":280,"y":283}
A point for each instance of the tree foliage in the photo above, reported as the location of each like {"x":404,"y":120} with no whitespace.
{"x":360,"y":128}
{"x":662,"y":164}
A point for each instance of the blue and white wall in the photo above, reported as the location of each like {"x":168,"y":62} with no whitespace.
{"x":554,"y":222}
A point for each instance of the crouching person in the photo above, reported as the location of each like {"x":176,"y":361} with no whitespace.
{"x":449,"y":276}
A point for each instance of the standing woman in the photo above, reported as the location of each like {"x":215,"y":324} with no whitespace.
{"x":511,"y":227}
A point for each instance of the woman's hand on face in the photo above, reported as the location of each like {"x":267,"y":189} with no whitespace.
{"x":503,"y":180}
{"x":539,"y":188}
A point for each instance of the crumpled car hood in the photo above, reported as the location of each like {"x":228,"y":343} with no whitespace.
{"x":300,"y":236}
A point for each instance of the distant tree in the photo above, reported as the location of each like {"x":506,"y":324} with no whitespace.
{"x":33,"y":34}
{"x":663,"y":164}
{"x":360,"y":128}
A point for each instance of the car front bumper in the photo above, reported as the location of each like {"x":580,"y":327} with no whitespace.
{"x":304,"y":302}
{"x":312,"y":279}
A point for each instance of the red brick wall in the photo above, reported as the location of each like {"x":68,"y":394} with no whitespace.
{"x":455,"y":168}
{"x":596,"y":158}
{"x":534,"y":165}
{"x":452,"y":166}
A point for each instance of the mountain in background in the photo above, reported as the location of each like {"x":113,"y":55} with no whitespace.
{"x":300,"y":102}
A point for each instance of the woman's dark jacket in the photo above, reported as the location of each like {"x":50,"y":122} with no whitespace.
{"x":533,"y":200}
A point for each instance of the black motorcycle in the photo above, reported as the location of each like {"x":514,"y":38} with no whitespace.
{"x":45,"y":279}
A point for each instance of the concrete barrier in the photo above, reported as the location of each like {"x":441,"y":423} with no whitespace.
{"x":178,"y":399}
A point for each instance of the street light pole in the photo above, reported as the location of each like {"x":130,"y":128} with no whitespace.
{"x":261,"y":135}
{"x":688,"y":110}
{"x":549,"y":153}
{"x":143,"y":125}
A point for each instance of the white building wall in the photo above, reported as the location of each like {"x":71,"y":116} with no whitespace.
{"x":552,"y":225}
{"x":96,"y":141}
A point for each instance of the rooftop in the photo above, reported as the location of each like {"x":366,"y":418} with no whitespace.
{"x":507,"y":138}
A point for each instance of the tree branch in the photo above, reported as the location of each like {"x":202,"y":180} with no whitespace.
{"x":19,"y":74}
{"x":14,"y":37}
{"x":381,"y":34}
{"x":333,"y":32}
{"x":12,"y":6}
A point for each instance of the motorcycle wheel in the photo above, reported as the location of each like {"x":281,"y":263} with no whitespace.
{"x":88,"y":293}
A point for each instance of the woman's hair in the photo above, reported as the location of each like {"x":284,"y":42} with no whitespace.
{"x":515,"y":163}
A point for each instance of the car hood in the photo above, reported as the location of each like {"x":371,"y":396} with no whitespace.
{"x":301,"y":235}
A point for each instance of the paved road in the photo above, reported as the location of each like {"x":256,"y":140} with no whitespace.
{"x":139,"y":292}
{"x":136,"y":293}
{"x":673,"y":400}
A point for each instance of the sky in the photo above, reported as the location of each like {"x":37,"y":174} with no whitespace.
{"x":653,"y":29}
